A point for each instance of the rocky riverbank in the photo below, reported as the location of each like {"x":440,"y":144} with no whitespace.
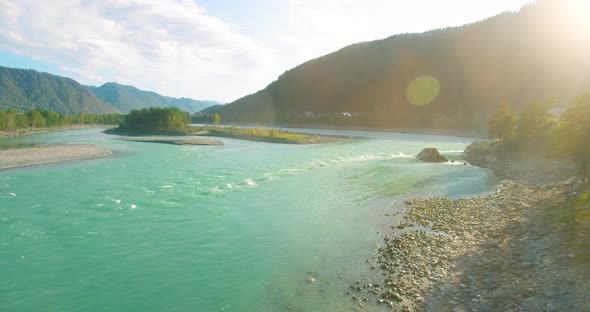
{"x":501,"y":252}
{"x":525,"y":247}
{"x":24,"y":157}
{"x":532,"y":170}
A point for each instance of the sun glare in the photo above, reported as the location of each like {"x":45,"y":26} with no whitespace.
{"x":579,"y":17}
{"x":422,"y":90}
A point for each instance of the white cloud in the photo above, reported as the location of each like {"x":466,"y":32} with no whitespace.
{"x":174,"y":48}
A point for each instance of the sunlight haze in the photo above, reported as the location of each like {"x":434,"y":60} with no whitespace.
{"x":219,"y":50}
{"x":294,"y":155}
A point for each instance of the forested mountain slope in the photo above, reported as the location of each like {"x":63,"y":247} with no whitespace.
{"x":24,"y":90}
{"x":126,"y":98}
{"x":537,"y":53}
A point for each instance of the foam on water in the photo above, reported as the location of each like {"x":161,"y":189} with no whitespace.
{"x":250,"y":183}
{"x":312,"y":165}
{"x":456,"y":163}
{"x":291,"y":170}
{"x":116,"y":201}
{"x":216,"y":190}
{"x":451,"y":151}
{"x":371,"y":156}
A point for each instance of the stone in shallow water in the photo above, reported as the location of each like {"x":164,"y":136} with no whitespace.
{"x":431,"y":154}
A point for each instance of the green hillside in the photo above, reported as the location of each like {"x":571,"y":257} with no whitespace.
{"x":23,"y":90}
{"x":127,"y":98}
{"x":455,"y":76}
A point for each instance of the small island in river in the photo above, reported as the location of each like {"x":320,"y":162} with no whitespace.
{"x":267,"y":135}
{"x":163,"y":122}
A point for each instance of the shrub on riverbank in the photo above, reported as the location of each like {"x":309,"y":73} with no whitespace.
{"x":539,"y":133}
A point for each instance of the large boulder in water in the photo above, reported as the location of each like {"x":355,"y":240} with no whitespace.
{"x":482,"y":154}
{"x":431,"y":154}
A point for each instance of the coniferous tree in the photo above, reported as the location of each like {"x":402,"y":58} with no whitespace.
{"x":535,"y":129}
{"x":36,"y":119}
{"x":501,"y":125}
{"x":575,"y":132}
{"x":216,"y":119}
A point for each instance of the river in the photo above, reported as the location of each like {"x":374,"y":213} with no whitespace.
{"x":202,"y":228}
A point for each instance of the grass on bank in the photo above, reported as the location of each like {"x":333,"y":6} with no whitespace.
{"x":257,"y":134}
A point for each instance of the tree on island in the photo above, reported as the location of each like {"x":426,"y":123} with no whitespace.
{"x":156,"y":120}
{"x":216,"y":119}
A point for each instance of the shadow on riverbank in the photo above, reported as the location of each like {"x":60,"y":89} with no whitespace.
{"x":535,"y":261}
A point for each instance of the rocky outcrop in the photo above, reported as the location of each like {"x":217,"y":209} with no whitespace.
{"x":529,"y":169}
{"x":431,"y":154}
{"x":481,"y":154}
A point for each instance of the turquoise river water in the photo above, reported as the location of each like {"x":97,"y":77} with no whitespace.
{"x":241,"y":227}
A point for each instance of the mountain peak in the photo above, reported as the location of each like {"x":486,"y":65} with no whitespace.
{"x":127,"y":98}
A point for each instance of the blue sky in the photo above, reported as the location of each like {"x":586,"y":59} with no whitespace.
{"x":207,"y":49}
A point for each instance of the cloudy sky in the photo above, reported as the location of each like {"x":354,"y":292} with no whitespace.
{"x":207,"y":49}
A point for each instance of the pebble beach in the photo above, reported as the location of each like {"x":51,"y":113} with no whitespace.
{"x":31,"y":156}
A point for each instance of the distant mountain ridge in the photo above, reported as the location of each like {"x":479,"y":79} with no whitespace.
{"x":25,"y":89}
{"x":126,"y":98}
{"x":539,"y":52}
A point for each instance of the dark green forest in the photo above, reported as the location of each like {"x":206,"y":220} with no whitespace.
{"x":206,"y":118}
{"x":12,"y":121}
{"x":539,"y":52}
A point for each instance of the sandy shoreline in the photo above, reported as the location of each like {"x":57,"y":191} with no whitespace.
{"x":177,"y":140}
{"x":32,"y":156}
